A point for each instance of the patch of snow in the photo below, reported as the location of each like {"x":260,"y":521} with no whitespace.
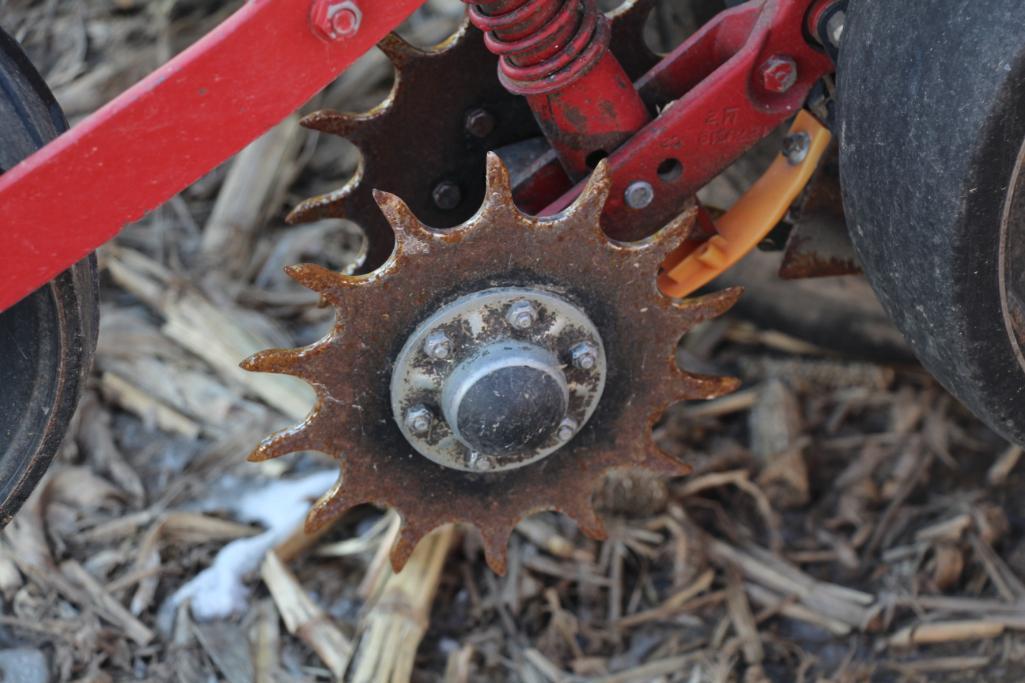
{"x":219,"y":591}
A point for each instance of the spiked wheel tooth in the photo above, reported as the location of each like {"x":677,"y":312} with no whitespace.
{"x":276,"y":361}
{"x":284,"y":442}
{"x":409,"y":537}
{"x":709,"y":306}
{"x":496,"y":547}
{"x":402,"y":219}
{"x":696,"y":387}
{"x":398,"y":50}
{"x":330,"y":205}
{"x":321,"y":280}
{"x":586,"y":517}
{"x":589,"y":205}
{"x":337,"y":123}
{"x":661,"y":463}
{"x":655,"y":249}
{"x":498,"y":180}
{"x":330,"y":507}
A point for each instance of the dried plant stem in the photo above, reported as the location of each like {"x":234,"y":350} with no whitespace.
{"x":398,"y":617}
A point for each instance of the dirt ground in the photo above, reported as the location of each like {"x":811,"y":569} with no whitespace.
{"x":846,"y":521}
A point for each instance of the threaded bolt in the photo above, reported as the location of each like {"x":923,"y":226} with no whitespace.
{"x":447,"y":195}
{"x":480,"y":123}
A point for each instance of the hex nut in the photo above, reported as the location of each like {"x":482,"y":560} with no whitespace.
{"x":418,"y":420}
{"x":334,"y":19}
{"x":585,"y":356}
{"x":522,"y":315}
{"x":438,"y":346}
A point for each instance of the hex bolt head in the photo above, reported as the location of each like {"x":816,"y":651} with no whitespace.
{"x":418,"y":420}
{"x":796,"y":147}
{"x":567,"y":429}
{"x":522,"y":315}
{"x":585,"y":356}
{"x":778,"y":74}
{"x":480,"y":123}
{"x":447,"y":195}
{"x":437,"y":345}
{"x":335,"y":19}
{"x":639,"y":195}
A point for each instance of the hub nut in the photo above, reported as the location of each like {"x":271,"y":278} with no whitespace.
{"x":418,"y":420}
{"x":438,"y":346}
{"x":585,"y":356}
{"x":522,"y":315}
{"x":567,"y":429}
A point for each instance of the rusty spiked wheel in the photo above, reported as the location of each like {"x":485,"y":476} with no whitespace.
{"x":550,"y":431}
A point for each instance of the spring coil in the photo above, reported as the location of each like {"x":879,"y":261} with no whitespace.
{"x":544,"y":45}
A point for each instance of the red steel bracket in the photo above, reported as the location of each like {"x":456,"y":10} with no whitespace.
{"x":180,"y":122}
{"x":720,"y":92}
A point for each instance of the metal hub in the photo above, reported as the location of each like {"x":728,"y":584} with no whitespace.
{"x":498,"y":379}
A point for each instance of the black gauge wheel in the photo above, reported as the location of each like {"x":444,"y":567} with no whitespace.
{"x":47,"y":340}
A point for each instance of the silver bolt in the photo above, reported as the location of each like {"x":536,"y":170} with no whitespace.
{"x":521,"y":315}
{"x":639,"y":195}
{"x":834,"y":27}
{"x":418,"y":420}
{"x":585,"y":356}
{"x":567,"y":429}
{"x":779,"y":74}
{"x":438,"y":346}
{"x":796,"y":147}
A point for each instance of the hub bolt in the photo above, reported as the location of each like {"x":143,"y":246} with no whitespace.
{"x":779,"y":74}
{"x":438,"y":346}
{"x":480,"y":123}
{"x":567,"y":429}
{"x":447,"y":195}
{"x":418,"y":420}
{"x":796,"y":147}
{"x":585,"y":356}
{"x":639,"y":195}
{"x":522,"y":315}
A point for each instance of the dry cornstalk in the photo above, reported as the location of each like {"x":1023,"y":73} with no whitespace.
{"x":303,"y":618}
{"x":398,"y":617}
{"x":945,"y":632}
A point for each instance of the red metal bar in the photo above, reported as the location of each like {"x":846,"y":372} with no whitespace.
{"x":722,"y":99}
{"x":256,"y":68}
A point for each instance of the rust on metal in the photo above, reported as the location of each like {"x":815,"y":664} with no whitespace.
{"x":819,"y":244}
{"x":419,"y":139}
{"x":350,"y":368}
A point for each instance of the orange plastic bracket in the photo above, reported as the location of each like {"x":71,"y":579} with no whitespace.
{"x":753,"y":216}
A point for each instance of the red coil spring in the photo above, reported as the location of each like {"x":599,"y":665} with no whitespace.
{"x":544,"y":45}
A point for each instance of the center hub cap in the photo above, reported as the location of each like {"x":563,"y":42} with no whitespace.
{"x":498,"y":379}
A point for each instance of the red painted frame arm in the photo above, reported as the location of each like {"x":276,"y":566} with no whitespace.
{"x":166,"y":132}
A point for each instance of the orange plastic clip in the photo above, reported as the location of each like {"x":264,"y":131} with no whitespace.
{"x":754,"y":215}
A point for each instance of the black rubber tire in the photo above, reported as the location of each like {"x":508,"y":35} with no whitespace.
{"x":47,"y":340}
{"x":932,"y":123}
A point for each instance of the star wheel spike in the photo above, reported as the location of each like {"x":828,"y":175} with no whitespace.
{"x":565,"y":259}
